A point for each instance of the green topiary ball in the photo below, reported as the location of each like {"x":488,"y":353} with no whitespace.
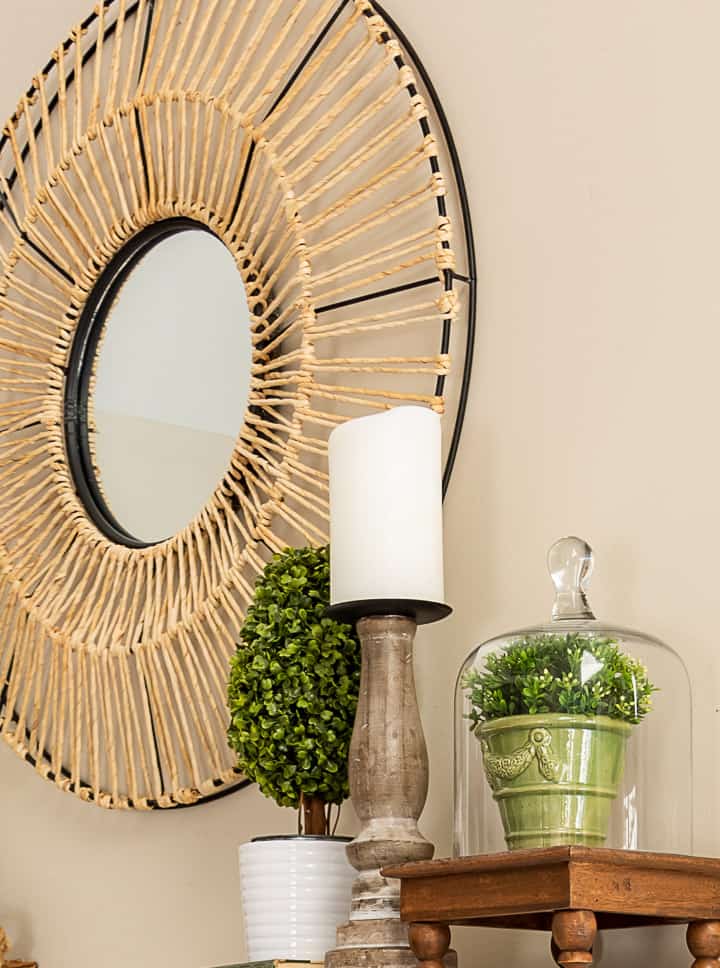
{"x":294,"y":684}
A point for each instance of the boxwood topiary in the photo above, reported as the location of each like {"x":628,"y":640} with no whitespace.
{"x":576,"y":673}
{"x":293,"y":688}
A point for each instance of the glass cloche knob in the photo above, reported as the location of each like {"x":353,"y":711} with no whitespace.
{"x":570,"y":562}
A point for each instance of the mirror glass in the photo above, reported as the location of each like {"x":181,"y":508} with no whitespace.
{"x":172,"y":383}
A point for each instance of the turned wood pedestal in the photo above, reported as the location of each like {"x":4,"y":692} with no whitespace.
{"x":388,"y":768}
{"x":571,"y":892}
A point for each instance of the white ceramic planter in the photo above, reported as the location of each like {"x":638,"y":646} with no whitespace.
{"x":295,"y":893}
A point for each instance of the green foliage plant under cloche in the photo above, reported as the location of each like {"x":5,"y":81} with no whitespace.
{"x":576,"y":673}
{"x":294,"y":683}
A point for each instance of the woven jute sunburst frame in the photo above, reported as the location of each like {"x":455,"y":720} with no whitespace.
{"x":298,"y":133}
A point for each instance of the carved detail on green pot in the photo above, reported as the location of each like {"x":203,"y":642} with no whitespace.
{"x":512,"y":765}
{"x":553,"y":776}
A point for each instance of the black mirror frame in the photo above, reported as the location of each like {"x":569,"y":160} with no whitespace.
{"x":81,"y":367}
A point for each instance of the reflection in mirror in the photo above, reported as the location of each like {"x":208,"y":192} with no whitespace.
{"x":172,"y":383}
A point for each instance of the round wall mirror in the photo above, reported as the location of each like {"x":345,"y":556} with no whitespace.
{"x":162,"y":433}
{"x":162,"y":383}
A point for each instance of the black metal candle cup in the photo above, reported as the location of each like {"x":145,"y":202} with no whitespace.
{"x":423,"y":613}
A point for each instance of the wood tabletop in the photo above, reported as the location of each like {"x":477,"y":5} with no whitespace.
{"x":541,"y":857}
{"x":519,"y":888}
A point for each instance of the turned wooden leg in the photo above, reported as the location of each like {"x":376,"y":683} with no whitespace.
{"x":703,"y":940}
{"x":573,"y":935}
{"x":430,"y":943}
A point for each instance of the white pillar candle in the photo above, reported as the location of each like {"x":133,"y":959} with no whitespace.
{"x":386,"y":508}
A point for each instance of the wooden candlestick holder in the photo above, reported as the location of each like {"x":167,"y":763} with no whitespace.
{"x":388,"y":768}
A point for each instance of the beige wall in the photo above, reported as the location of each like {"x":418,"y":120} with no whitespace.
{"x":589,"y":133}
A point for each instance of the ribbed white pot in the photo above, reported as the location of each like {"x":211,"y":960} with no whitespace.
{"x":295,"y":893}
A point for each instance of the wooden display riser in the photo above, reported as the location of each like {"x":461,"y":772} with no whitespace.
{"x":572,"y":892}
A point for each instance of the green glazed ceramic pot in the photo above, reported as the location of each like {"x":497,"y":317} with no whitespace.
{"x":554,"y":776}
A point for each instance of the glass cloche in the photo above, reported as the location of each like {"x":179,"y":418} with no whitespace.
{"x":574,"y":732}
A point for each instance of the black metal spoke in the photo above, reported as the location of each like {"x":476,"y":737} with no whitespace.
{"x":48,"y":259}
{"x":138,"y":125}
{"x":243,"y":182}
{"x":141,"y":146}
{"x":3,"y":694}
{"x":146,"y":38}
{"x":308,"y":56}
{"x":69,"y":80}
{"x":379,"y":294}
{"x":461,"y":278}
{"x":282,"y":95}
{"x":156,"y":747}
{"x":4,"y":204}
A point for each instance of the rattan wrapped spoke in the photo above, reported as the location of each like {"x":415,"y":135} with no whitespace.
{"x":297,"y":132}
